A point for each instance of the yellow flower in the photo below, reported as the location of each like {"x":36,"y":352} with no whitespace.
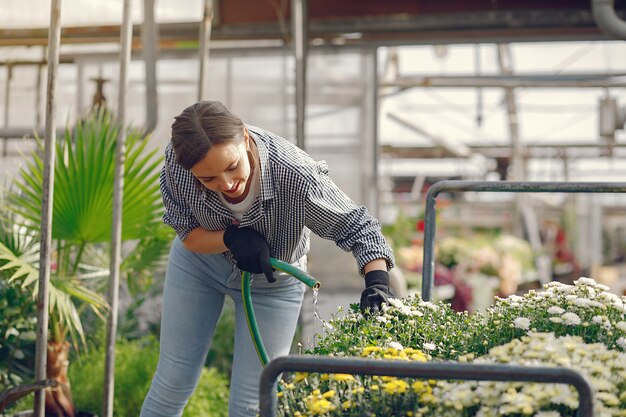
{"x":329,"y":394}
{"x":342,"y":377}
{"x":280,"y":395}
{"x":346,"y":404}
{"x":300,"y":376}
{"x":419,"y":386}
{"x":370,"y":349}
{"x":374,"y":387}
{"x":321,"y":407}
{"x":324,"y":377}
{"x":396,"y":387}
{"x":358,"y":390}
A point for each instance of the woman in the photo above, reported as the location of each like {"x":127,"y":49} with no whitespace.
{"x":236,"y":195}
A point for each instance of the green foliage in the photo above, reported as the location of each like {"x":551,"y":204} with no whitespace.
{"x":135,"y":362}
{"x":17,"y":335}
{"x":81,"y":221}
{"x":211,"y":396}
{"x":17,"y":315}
{"x":223,"y":345}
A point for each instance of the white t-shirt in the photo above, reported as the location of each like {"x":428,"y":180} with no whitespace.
{"x":239,"y":209}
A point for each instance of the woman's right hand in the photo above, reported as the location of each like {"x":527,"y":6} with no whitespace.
{"x":250,"y":250}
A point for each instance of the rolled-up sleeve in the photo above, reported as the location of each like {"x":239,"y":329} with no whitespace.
{"x":175,"y":183}
{"x":332,"y":215}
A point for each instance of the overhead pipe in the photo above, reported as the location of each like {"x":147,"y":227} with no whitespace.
{"x":203,"y":50}
{"x":118,"y":193}
{"x":299,"y":21}
{"x":607,"y":19}
{"x":511,"y":81}
{"x":43,"y":295}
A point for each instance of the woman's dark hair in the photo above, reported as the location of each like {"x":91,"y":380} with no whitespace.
{"x":201,"y":126}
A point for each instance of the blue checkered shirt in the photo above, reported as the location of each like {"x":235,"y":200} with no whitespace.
{"x":296,"y":197}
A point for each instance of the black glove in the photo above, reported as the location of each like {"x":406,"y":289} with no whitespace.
{"x":250,"y":250}
{"x":376,"y":291}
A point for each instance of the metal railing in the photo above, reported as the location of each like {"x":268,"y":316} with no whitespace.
{"x":430,"y":214}
{"x":425,"y":370}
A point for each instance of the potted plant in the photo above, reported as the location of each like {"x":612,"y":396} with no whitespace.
{"x":81,"y":230}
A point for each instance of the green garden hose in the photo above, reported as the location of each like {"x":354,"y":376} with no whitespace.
{"x":246,"y":295}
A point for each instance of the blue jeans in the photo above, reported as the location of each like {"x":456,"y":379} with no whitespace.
{"x":193,"y":296}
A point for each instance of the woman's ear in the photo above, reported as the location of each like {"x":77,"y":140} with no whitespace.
{"x":246,"y":138}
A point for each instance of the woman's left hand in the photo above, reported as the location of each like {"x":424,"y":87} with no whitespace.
{"x":376,"y":292}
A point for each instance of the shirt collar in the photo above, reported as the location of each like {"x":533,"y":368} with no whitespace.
{"x":267,"y":182}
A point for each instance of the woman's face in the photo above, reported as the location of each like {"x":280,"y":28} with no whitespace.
{"x":226,"y":169}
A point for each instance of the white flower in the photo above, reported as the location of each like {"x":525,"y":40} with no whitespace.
{"x":621,"y":325}
{"x":396,"y":302}
{"x":396,"y":346}
{"x":548,"y":414}
{"x":585,"y":281}
{"x":555,"y":310}
{"x":522,"y":323}
{"x":622,"y":342}
{"x":582,"y":302}
{"x":381,"y":319}
{"x":571,"y":319}
{"x":430,"y":346}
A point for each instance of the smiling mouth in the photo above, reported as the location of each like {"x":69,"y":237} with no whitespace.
{"x":232,"y":190}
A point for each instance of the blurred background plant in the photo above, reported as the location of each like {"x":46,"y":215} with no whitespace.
{"x":81,"y":229}
{"x":17,"y":315}
{"x":135,"y":361}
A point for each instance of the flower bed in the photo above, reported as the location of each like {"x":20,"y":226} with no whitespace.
{"x":582,"y":326}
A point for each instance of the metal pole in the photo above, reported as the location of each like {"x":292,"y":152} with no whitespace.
{"x":374,"y":187}
{"x":149,"y":47}
{"x":299,"y":20}
{"x":118,"y":193}
{"x":205,"y":37}
{"x":428,"y":273}
{"x":80,"y":80}
{"x":517,"y":149}
{"x":38,"y":92}
{"x":54,"y":41}
{"x":479,"y":91}
{"x":7,"y":103}
{"x":505,"y":63}
{"x":424,"y":370}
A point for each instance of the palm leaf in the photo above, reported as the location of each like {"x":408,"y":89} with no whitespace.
{"x":20,"y":263}
{"x":84,"y":177}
